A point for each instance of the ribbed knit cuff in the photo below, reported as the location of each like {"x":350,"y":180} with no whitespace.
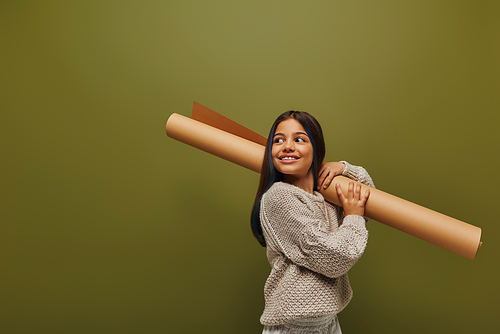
{"x":349,"y":171}
{"x":355,"y":220}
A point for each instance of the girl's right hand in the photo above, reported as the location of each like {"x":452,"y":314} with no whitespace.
{"x":354,"y":203}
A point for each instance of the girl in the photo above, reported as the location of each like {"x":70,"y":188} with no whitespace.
{"x":311,"y":244}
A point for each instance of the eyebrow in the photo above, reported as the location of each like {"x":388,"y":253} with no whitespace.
{"x":296,"y":133}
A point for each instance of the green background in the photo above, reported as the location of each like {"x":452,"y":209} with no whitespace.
{"x":109,"y":226}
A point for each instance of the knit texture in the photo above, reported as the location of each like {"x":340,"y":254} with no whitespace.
{"x":310,"y":248}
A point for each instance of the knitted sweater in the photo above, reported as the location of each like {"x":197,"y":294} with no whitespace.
{"x":310,"y":247}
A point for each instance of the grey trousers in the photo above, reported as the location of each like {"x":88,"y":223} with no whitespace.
{"x":317,"y":325}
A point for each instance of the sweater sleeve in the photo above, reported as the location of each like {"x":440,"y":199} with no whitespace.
{"x":291,"y":223}
{"x":358,"y":174}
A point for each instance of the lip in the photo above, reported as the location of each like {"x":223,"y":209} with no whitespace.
{"x":288,"y":158}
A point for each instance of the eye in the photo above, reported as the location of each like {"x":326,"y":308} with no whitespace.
{"x":300,"y":140}
{"x":278,"y":140}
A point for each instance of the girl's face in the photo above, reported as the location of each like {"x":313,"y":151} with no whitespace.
{"x":292,"y":150}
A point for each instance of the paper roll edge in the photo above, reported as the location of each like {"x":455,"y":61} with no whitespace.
{"x":480,"y":243}
{"x":168,"y":127}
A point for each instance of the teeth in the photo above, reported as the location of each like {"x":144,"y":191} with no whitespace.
{"x":288,"y":158}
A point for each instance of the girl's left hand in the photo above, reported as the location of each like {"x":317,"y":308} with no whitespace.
{"x":328,"y":171}
{"x":354,"y":203}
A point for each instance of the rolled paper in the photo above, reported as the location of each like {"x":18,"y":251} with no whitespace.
{"x":441,"y":230}
{"x":436,"y":228}
{"x":210,"y":117}
{"x":220,"y":143}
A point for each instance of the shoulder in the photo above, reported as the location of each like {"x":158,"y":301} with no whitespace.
{"x":278,"y":194}
{"x":281,"y":191}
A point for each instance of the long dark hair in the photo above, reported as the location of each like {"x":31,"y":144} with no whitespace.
{"x":269,"y":175}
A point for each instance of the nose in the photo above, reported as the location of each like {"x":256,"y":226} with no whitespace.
{"x":289,"y":146}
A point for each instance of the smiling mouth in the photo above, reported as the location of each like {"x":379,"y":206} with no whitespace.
{"x":288,"y":158}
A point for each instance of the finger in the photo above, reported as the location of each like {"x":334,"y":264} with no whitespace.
{"x":350,"y":190}
{"x":340,"y":193}
{"x":328,"y":180}
{"x":357,"y":192}
{"x":322,"y":169}
{"x":323,"y":174}
{"x":365,"y":197}
{"x":321,"y":180}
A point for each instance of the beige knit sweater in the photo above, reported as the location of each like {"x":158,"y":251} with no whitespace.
{"x":310,"y":248}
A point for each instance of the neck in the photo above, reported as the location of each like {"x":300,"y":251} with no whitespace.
{"x":305,"y":183}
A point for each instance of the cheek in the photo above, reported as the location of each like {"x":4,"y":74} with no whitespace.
{"x":309,"y":152}
{"x":274,"y":151}
{"x":310,"y":158}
